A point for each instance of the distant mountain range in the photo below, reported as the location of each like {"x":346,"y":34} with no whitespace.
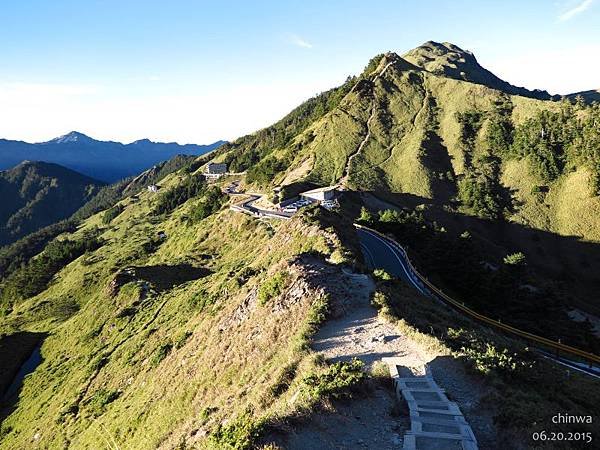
{"x":588,"y":96}
{"x":103,"y":160}
{"x":36,"y":194}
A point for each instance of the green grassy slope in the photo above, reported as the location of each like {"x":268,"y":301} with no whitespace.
{"x":193,"y":313}
{"x":37,"y":194}
{"x":414,"y":145}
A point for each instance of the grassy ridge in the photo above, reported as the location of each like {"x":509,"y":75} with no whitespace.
{"x":104,"y":366}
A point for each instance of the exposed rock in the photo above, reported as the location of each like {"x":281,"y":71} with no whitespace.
{"x":242,"y":312}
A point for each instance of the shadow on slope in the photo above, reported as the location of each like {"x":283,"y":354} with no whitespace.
{"x":161,"y":277}
{"x":537,"y":298}
{"x":19,"y":356}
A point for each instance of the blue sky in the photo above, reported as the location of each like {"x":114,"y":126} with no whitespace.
{"x":197,"y":71}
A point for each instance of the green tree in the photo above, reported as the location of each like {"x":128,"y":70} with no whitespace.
{"x":366,"y":216}
{"x":390,"y":216}
{"x":500,"y":130}
{"x":515,"y":259}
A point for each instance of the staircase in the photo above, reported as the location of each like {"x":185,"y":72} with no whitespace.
{"x":436,"y":422}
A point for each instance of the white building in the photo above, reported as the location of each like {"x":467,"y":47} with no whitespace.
{"x":153,"y":188}
{"x":321,"y":194}
{"x":215,"y":169}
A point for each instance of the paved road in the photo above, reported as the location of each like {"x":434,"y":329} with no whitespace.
{"x":248,"y":206}
{"x":381,"y":254}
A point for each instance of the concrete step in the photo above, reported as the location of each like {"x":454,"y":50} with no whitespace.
{"x":422,"y":395}
{"x":453,"y":430}
{"x":449,"y":408}
{"x":436,"y":422}
{"x":437,"y":418}
{"x":431,"y":442}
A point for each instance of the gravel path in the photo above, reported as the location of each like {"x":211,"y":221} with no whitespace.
{"x":371,"y":421}
{"x":376,"y":420}
{"x":361,"y":334}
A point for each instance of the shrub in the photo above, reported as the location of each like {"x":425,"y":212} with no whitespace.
{"x":207,"y":412}
{"x":264,"y":172}
{"x":389,"y":216}
{"x":515,"y":259}
{"x":111,"y":214}
{"x":486,"y":357}
{"x":272,"y":287}
{"x":181,"y":339}
{"x":101,"y":398}
{"x":192,"y":186}
{"x":480,"y":196}
{"x":238,"y":435}
{"x":365,"y":217}
{"x":336,"y":382}
{"x":210,"y":203}
{"x":382,"y":275}
{"x":201,"y":300}
{"x":161,"y":353}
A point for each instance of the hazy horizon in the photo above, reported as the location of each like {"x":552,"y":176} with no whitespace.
{"x":195,"y":73}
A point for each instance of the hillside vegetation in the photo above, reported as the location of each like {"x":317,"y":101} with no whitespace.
{"x":19,"y":252}
{"x":519,"y":171}
{"x":36,"y":194}
{"x":165,"y":320}
{"x":464,"y":141}
{"x":222,"y":308}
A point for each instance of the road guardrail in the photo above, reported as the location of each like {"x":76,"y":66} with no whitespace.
{"x":530,"y":337}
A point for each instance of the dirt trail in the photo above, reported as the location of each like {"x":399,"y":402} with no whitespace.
{"x":370,"y":421}
{"x":360,"y":333}
{"x":375,"y":420}
{"x":344,"y":180}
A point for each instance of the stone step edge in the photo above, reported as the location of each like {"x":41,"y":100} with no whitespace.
{"x":464,"y":430}
{"x":410,"y":442}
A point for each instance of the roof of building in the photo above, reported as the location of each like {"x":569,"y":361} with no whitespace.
{"x":323,"y":189}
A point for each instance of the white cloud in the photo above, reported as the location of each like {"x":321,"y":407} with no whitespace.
{"x":581,"y":7}
{"x":299,"y":42}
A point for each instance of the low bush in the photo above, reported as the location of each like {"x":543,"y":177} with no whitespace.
{"x":338,"y":381}
{"x":161,"y":353}
{"x":238,"y":435}
{"x":100,"y":399}
{"x":112,"y":213}
{"x":272,"y":287}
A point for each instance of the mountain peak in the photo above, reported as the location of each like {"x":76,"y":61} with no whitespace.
{"x":73,"y":136}
{"x":449,"y":60}
{"x":443,"y":48}
{"x":142,"y":142}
